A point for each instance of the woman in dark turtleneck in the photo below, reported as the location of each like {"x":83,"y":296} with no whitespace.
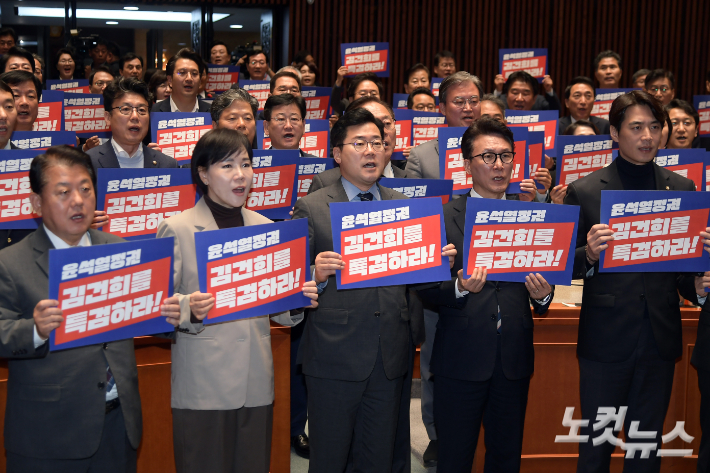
{"x":222,"y":375}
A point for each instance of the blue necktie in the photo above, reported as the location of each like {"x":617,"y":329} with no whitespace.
{"x":366,"y":196}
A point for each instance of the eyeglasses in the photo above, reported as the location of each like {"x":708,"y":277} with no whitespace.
{"x":66,"y":61}
{"x":281,"y":121}
{"x":490,"y":158}
{"x":429,"y":107}
{"x":127,"y":110}
{"x":655,"y":90}
{"x":460,"y":102}
{"x":389,"y":124}
{"x":185,"y":73}
{"x":7,"y":43}
{"x":361,"y":145}
{"x":258,"y":63}
{"x":447,"y":65}
{"x":286,"y":90}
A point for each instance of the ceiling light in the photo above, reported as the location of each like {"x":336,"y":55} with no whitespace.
{"x":111,"y":22}
{"x":95,"y":14}
{"x":130,"y":8}
{"x":236,"y":26}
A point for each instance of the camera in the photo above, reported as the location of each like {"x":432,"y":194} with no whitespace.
{"x":245,"y":50}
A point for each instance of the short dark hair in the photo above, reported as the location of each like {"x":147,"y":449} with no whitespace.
{"x":122,"y":86}
{"x":311,"y":66}
{"x":281,"y":74}
{"x":496,"y":100}
{"x":675,"y":103}
{"x":16,"y":51}
{"x":417,"y":67}
{"x":18,"y":77}
{"x":112,"y":47}
{"x":357,"y":117}
{"x":281,"y":100}
{"x":579,"y":80}
{"x":257,"y":52}
{"x":301,"y":56}
{"x":225,"y":100}
{"x":455,"y":79}
{"x":6,"y":88}
{"x":158,"y":77}
{"x":419,"y":91}
{"x":360,"y":78}
{"x":639,"y":73}
{"x":56,"y":155}
{"x":127,"y":58}
{"x":362,"y":101}
{"x":635,"y":97}
{"x":441,"y":55}
{"x":580,"y":123}
{"x":484,"y":127}
{"x":219,"y":43}
{"x":660,"y":74}
{"x":96,"y":71}
{"x":70,"y":51}
{"x":604,"y":55}
{"x":215,"y":146}
{"x":185,"y":53}
{"x":39,"y":58}
{"x":520,"y":76}
{"x":7,"y":31}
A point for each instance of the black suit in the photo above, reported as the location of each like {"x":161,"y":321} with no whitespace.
{"x":331,"y":176}
{"x":104,"y":156}
{"x":473,"y":363}
{"x":629,"y":328}
{"x":543,"y":101}
{"x":600,"y":123}
{"x":355,"y":353}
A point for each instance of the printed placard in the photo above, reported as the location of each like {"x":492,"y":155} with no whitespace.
{"x":315,"y":139}
{"x":655,"y":231}
{"x":521,"y":162}
{"x":177,"y":133}
{"x":366,"y":57}
{"x":258,"y":89}
{"x":403,"y":138}
{"x":578,"y":156}
{"x":50,"y":114}
{"x":702,"y":105}
{"x":435,"y":84}
{"x":389,"y":242}
{"x":137,"y":200}
{"x":513,"y":239}
{"x":221,"y":77}
{"x":400,"y":101}
{"x":84,"y":115}
{"x":543,"y":120}
{"x":425,"y":125}
{"x":419,"y":188}
{"x":309,"y":167}
{"x":603,"y":100}
{"x":532,"y":61}
{"x":110,"y":292}
{"x":317,"y":102}
{"x":689,"y":163}
{"x":536,"y":153}
{"x":451,"y":164}
{"x":41,"y":140}
{"x":16,"y":211}
{"x":255,"y":270}
{"x":76,"y":86}
{"x":273,"y":188}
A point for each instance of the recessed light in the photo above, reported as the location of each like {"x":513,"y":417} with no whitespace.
{"x":236,"y":26}
{"x":182,"y":44}
{"x":111,"y":22}
{"x":130,"y":8}
{"x":97,"y":14}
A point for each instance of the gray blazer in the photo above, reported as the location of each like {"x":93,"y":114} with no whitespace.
{"x":223,"y":366}
{"x":332,"y":176}
{"x":54,"y":408}
{"x":423,"y":162}
{"x":104,"y":156}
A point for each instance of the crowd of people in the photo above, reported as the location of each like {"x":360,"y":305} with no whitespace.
{"x":352,"y":351}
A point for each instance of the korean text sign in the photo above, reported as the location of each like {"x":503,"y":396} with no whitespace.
{"x":435,"y":84}
{"x":533,"y":61}
{"x":317,"y":102}
{"x":403,"y":132}
{"x":315,"y":139}
{"x":425,"y":125}
{"x":50,"y":114}
{"x":110,"y":292}
{"x":419,"y":188}
{"x":655,"y":231}
{"x":390,"y":242}
{"x":15,"y":208}
{"x":451,"y":165}
{"x":536,"y":153}
{"x":307,"y":169}
{"x":273,"y":188}
{"x":177,"y":133}
{"x":702,"y":105}
{"x":543,"y":120}
{"x":690,"y":163}
{"x":41,"y":140}
{"x":255,"y":270}
{"x":578,"y":156}
{"x":221,"y":77}
{"x":259,"y":89}
{"x":77,"y":86}
{"x":84,"y":115}
{"x":603,"y":100}
{"x":513,"y":239}
{"x":137,"y":200}
{"x":366,"y":57}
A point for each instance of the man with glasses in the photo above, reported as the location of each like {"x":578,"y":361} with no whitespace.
{"x":661,"y":84}
{"x":184,"y":71}
{"x":257,"y":63}
{"x":421,"y":99}
{"x":284,"y":121}
{"x":99,"y":79}
{"x":366,"y":84}
{"x":444,"y":64}
{"x":285,"y":82}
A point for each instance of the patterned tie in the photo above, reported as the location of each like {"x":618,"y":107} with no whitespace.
{"x":499,"y":320}
{"x":366,"y":196}
{"x":110,"y":381}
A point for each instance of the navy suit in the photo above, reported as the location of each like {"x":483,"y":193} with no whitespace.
{"x":104,"y":156}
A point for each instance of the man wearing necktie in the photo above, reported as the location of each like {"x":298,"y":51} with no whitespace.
{"x":355,"y":346}
{"x":483,"y":349}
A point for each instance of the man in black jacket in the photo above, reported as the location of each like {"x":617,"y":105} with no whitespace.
{"x":579,"y":101}
{"x":629,"y":324}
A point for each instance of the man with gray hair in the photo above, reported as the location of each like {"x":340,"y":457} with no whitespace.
{"x":236,"y":109}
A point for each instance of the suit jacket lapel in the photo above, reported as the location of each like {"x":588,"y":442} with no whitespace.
{"x":41,"y":244}
{"x":662,"y":182}
{"x":611,"y":177}
{"x":203,"y":220}
{"x":336,"y":193}
{"x":149,"y":160}
{"x":108,"y":157}
{"x":460,"y":216}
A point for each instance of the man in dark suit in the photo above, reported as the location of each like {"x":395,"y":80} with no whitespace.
{"x":579,"y":100}
{"x":353,"y":400}
{"x":521,"y":91}
{"x":184,"y":71}
{"x":629,"y":325}
{"x":71,"y":410}
{"x":486,"y":321}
